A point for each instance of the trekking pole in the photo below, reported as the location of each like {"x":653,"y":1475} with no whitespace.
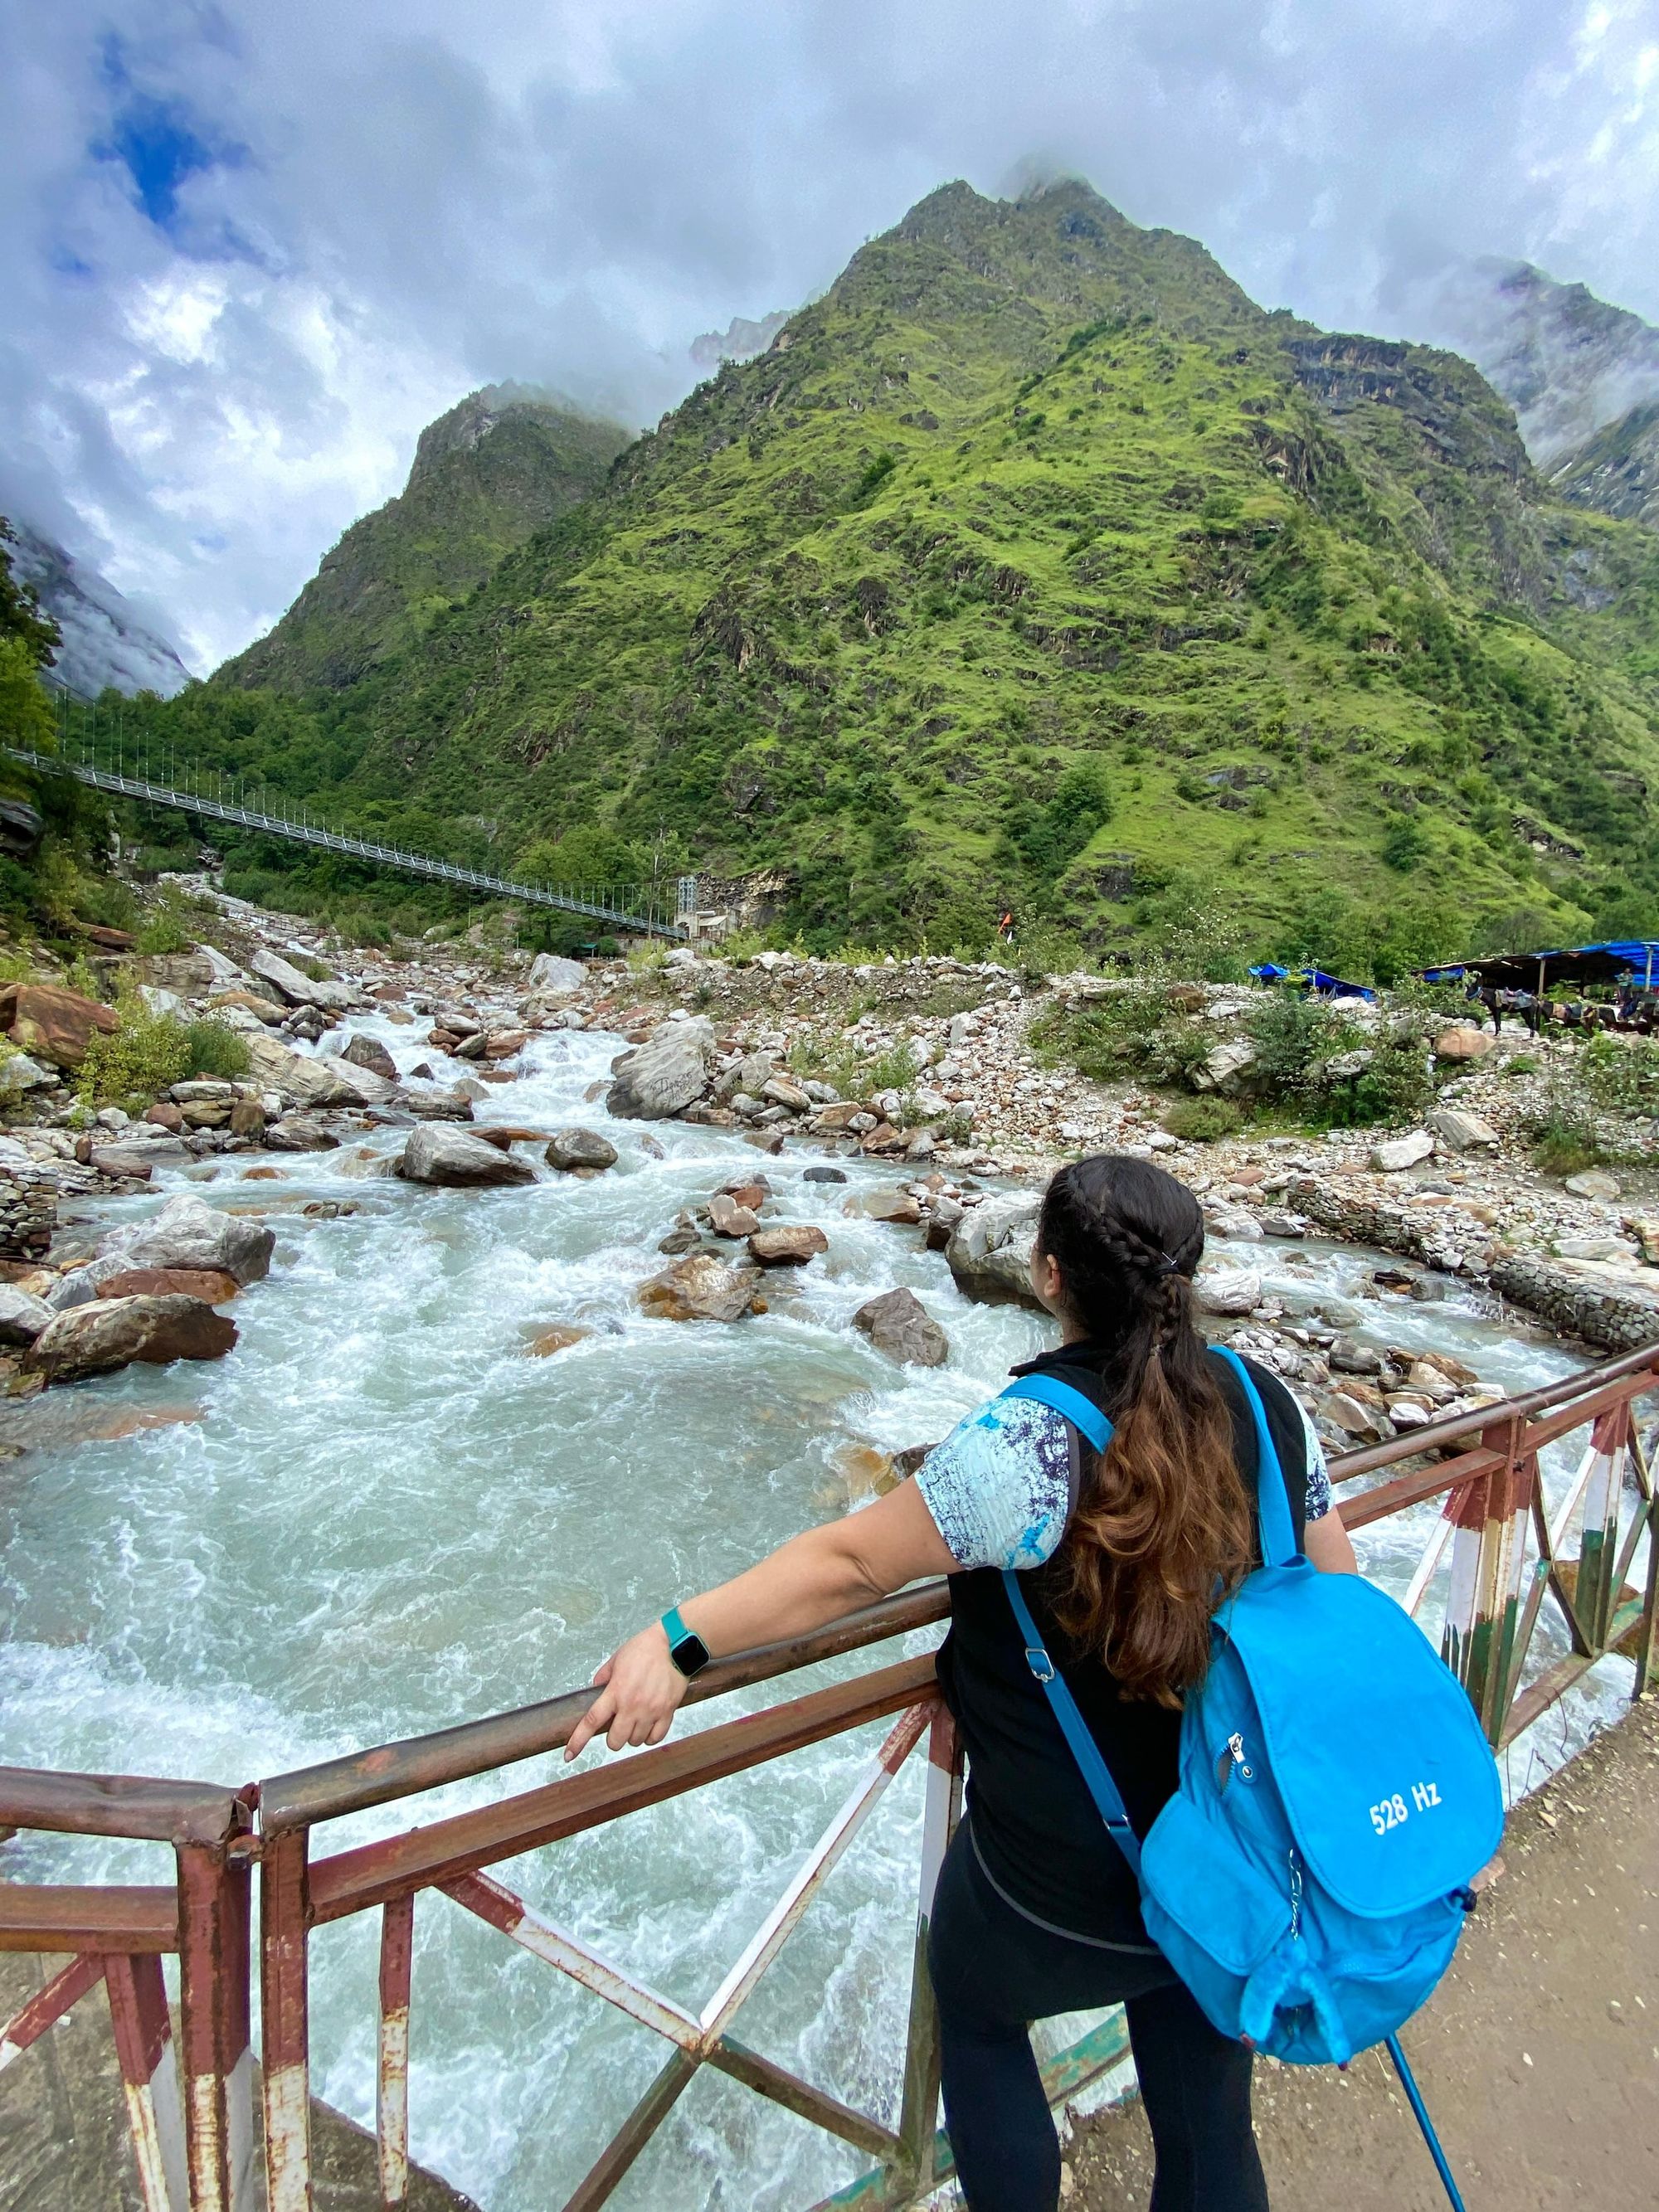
{"x":1408,"y":2083}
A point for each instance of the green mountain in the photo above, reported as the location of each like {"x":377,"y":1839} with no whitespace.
{"x":502,"y":464}
{"x":1035,"y":564}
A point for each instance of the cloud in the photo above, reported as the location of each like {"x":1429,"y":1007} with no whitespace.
{"x":249,"y":250}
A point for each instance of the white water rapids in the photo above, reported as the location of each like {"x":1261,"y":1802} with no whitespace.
{"x":381,"y":1515}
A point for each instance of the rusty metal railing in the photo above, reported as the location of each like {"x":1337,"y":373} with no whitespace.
{"x":190,"y":2115}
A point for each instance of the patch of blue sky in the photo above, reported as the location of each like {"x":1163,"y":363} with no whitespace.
{"x":161,"y":144}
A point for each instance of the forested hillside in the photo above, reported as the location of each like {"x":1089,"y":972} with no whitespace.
{"x":1036,"y":565}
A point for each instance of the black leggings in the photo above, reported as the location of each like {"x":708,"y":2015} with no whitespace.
{"x":993,"y":1973}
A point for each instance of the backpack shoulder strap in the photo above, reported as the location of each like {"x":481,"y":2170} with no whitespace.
{"x":1082,"y":1412}
{"x":1072,"y":1726}
{"x":1272,"y":1504}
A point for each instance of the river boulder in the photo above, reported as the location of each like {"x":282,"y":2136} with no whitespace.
{"x":700,"y":1287}
{"x":53,"y":1025}
{"x":212,"y":1284}
{"x":663,"y":1076}
{"x":456,"y":1160}
{"x":1220,"y":1290}
{"x":362,"y":1086}
{"x":369,"y":1052}
{"x":21,"y":1317}
{"x":569,"y":1148}
{"x":300,"y":1132}
{"x":898,"y":1324}
{"x":297,"y":988}
{"x":109,"y":1333}
{"x":187,"y":1233}
{"x":298,"y":1079}
{"x":990,"y":1252}
{"x":551,"y":971}
{"x":438,"y":1105}
{"x":790,"y":1244}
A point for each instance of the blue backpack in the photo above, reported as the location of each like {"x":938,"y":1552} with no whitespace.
{"x":1309,"y":1879}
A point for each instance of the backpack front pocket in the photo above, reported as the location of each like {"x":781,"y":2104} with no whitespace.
{"x":1194,"y":1876}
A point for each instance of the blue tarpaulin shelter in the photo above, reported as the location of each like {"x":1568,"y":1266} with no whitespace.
{"x":1312,"y":979}
{"x":1601,"y":963}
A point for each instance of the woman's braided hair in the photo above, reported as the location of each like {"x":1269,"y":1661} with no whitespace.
{"x":1164,"y":1523}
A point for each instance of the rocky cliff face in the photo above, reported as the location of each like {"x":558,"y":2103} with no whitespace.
{"x":106,"y":645}
{"x":1616,"y":470}
{"x":502,"y":464}
{"x":1568,"y":364}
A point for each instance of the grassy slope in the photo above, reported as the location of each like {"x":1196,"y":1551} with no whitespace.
{"x":1287,"y":590}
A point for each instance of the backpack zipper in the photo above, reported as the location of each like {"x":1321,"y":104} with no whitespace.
{"x":1232,"y":1759}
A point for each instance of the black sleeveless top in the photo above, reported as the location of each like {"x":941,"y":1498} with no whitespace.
{"x":1037,"y":1831}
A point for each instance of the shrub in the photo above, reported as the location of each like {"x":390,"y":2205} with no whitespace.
{"x":163,"y":929}
{"x":1622,"y":1075}
{"x":149,"y":1053}
{"x":1202,"y":1120}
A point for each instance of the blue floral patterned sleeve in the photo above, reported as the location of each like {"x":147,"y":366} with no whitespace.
{"x":1000,"y":1487}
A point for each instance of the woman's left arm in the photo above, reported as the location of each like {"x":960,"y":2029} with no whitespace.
{"x":815,"y":1577}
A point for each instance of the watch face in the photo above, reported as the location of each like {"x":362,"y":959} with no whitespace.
{"x":690,"y":1654}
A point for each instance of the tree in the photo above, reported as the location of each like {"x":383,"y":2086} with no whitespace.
{"x":28,"y":639}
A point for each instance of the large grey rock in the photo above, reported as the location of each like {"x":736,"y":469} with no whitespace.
{"x":700,"y":1287}
{"x":18,"y":1074}
{"x":1462,"y":1131}
{"x":299,"y":990}
{"x":580,"y":1148}
{"x":663,"y":1077}
{"x":297,"y":1078}
{"x":898,"y":1324}
{"x":369,"y":1052}
{"x":1592,"y":1182}
{"x":113,"y":1333}
{"x":440,"y":1154}
{"x":749,"y":1076}
{"x":1227,"y":1066}
{"x":363,"y":1085}
{"x":1227,"y":1290}
{"x":1399,"y":1152}
{"x":21,"y":1317}
{"x":438,"y":1105}
{"x":551,"y":971}
{"x":188,"y":1233}
{"x":990,"y":1252}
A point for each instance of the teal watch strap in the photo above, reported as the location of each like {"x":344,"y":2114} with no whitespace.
{"x":685,"y":1647}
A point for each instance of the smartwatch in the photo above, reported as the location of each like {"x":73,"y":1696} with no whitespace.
{"x":688,"y":1651}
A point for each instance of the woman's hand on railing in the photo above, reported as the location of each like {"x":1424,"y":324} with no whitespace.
{"x":640,"y":1690}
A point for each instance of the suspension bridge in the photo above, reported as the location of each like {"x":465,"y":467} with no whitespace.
{"x":636,"y":908}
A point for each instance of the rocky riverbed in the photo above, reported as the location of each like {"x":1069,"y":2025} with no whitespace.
{"x":924,"y":1066}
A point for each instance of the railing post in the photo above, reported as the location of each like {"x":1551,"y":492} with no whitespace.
{"x":149,"y":2078}
{"x":284,"y":1930}
{"x":392,"y":2090}
{"x":1647,"y":1633}
{"x":213,"y":2018}
{"x":1489,"y":1518}
{"x":918,"y":2114}
{"x":1598,"y":1539}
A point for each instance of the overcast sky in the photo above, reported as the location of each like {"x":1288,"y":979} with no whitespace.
{"x":246,"y":251}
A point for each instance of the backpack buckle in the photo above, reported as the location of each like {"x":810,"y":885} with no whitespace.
{"x":1039,"y":1662}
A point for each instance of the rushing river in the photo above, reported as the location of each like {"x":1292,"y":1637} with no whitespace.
{"x":383,"y":1514}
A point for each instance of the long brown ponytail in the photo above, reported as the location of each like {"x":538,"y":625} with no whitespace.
{"x":1163,"y":1523}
